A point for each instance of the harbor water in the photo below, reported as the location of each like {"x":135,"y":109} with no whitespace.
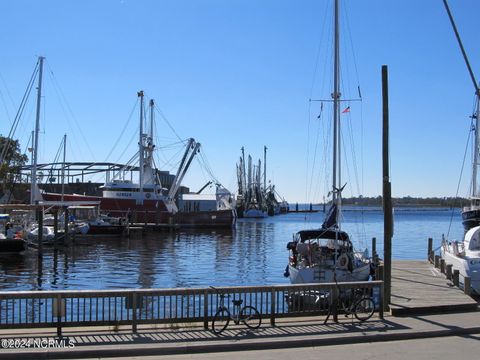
{"x":254,"y":253}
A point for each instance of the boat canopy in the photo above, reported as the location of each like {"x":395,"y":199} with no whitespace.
{"x":323,"y":234}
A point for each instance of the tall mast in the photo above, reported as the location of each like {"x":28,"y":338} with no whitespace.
{"x":264,"y":168}
{"x":336,"y":113}
{"x":476,"y":150}
{"x":33,"y":189}
{"x":152,"y":104}
{"x":140,"y":143}
{"x":244,"y":173}
{"x":477,"y":94}
{"x":63,"y":165}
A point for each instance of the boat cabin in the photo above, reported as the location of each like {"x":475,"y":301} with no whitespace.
{"x":472,"y":240}
{"x":322,"y":246}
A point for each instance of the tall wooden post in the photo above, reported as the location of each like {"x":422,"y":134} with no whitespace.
{"x":55,"y":228}
{"x":66,"y":218}
{"x":430,"y":250}
{"x":387,"y":194}
{"x":40,"y":231}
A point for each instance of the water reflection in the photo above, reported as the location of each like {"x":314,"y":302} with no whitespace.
{"x":252,"y":254}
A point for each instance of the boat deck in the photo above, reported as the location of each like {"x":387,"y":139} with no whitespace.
{"x":417,"y":287}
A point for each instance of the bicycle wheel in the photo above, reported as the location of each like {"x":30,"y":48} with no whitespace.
{"x":364,"y":308}
{"x":220,"y":321}
{"x":250,"y":317}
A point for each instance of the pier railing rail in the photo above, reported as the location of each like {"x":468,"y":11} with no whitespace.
{"x":36,"y":309}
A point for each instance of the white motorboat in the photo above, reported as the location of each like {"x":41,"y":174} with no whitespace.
{"x":464,"y":256}
{"x":48,"y":234}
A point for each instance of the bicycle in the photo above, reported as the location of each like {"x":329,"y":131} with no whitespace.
{"x":249,"y":315}
{"x":355,"y":302}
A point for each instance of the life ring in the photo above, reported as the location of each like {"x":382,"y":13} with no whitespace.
{"x":148,"y":195}
{"x":342,"y":261}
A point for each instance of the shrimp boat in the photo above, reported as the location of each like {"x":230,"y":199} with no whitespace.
{"x":464,"y":255}
{"x":327,"y":254}
{"x":147,"y":201}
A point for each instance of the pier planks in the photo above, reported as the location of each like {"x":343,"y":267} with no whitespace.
{"x":417,"y":287}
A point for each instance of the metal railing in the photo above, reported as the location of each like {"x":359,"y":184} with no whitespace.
{"x":28,"y":309}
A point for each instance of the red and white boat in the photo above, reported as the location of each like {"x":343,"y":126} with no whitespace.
{"x":146,"y":201}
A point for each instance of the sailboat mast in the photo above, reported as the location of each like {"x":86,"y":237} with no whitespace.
{"x":63,"y":165}
{"x":33,"y":189}
{"x":477,"y":94}
{"x":140,"y":143}
{"x":476,"y":150}
{"x":152,"y":105}
{"x":244,"y":173}
{"x":336,"y":181}
{"x":264,"y":168}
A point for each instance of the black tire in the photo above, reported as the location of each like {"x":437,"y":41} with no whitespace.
{"x":364,"y":308}
{"x":220,"y":321}
{"x":251,"y":317}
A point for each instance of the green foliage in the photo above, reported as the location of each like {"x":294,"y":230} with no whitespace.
{"x":11,"y":163}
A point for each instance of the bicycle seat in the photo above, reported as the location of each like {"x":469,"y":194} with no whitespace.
{"x":237,"y":302}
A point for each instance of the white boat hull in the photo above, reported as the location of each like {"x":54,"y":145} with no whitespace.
{"x":318,"y":274}
{"x":467,"y":266}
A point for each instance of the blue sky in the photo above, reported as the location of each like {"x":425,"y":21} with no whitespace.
{"x":241,"y":73}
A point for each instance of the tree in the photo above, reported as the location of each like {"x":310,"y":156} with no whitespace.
{"x":11,"y":161}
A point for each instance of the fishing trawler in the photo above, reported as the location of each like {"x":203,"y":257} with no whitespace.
{"x":147,"y":201}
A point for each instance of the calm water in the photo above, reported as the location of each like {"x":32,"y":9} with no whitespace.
{"x":252,"y":254}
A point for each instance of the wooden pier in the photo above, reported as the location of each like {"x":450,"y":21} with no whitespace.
{"x":418,"y":287}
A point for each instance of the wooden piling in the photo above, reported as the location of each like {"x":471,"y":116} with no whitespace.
{"x":379,"y":273}
{"x":430,"y":250}
{"x":467,"y":288}
{"x":442,"y":266}
{"x":66,"y":217}
{"x":456,"y":277}
{"x":448,"y":271}
{"x":437,"y":261}
{"x":387,"y":193}
{"x":374,"y":247}
{"x":40,"y":232}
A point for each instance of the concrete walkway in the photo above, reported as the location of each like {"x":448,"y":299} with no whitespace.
{"x":192,"y":338}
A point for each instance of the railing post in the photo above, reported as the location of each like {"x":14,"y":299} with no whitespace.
{"x":381,"y":306}
{"x":59,"y":314}
{"x":430,"y":249}
{"x":467,"y":285}
{"x":449,"y":269}
{"x":272,"y":306}
{"x":134,"y":312}
{"x":205,"y":309}
{"x":335,"y":295}
{"x":456,"y":277}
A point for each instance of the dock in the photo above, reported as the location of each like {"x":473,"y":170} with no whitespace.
{"x":418,"y":287}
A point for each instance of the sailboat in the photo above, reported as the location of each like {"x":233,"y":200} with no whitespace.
{"x":464,"y":256}
{"x":327,"y":254}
